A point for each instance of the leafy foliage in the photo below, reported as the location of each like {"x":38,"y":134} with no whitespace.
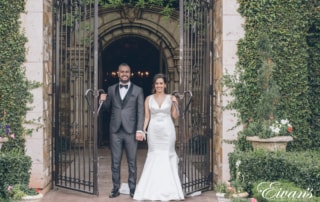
{"x":221,"y":187}
{"x":14,"y":96}
{"x":294,"y":42}
{"x":168,"y":5}
{"x":17,"y":191}
{"x":14,"y":88}
{"x":14,"y":169}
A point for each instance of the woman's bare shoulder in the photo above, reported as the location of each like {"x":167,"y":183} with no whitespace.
{"x":148,"y":97}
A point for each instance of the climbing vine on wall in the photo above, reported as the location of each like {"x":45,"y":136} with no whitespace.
{"x":289,"y":26}
{"x":14,"y":88}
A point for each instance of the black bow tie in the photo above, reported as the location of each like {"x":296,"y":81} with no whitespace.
{"x":121,"y":86}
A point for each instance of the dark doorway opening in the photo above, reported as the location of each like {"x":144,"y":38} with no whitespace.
{"x":143,"y":58}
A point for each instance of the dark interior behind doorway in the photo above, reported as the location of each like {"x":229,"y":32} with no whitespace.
{"x":144,"y":60}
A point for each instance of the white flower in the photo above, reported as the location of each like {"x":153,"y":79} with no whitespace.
{"x":238,"y":163}
{"x":275,"y":129}
{"x":284,"y":121}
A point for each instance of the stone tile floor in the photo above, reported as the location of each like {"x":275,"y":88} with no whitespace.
{"x":105,"y":184}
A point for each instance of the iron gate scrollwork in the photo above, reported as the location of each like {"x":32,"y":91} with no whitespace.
{"x":75,"y":67}
{"x":195,"y":128}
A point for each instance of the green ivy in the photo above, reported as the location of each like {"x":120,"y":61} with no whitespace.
{"x":168,"y":5}
{"x":14,"y":88}
{"x":293,"y":30}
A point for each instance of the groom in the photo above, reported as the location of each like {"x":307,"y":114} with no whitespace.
{"x":125,"y":104}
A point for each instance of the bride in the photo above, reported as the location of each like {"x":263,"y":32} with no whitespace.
{"x":159,"y":179}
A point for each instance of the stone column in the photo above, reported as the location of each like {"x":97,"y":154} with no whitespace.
{"x":37,"y":26}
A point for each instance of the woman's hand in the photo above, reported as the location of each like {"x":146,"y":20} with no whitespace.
{"x":174,"y":99}
{"x":175,"y":107}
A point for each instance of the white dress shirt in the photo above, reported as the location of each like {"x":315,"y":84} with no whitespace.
{"x":123,"y":91}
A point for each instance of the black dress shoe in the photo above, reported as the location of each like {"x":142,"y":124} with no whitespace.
{"x":114,"y":193}
{"x":132,"y":193}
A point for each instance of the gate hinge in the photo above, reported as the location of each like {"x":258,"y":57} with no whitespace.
{"x":53,"y":90}
{"x":210,"y":3}
{"x":210,"y":177}
{"x":211,"y":92}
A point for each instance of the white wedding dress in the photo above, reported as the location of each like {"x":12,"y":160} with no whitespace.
{"x":159,"y":179}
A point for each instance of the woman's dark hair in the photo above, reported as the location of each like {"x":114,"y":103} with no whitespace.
{"x":158,"y":76}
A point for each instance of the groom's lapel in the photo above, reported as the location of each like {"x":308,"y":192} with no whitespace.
{"x":117,"y":93}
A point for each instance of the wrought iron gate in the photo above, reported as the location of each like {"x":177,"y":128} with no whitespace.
{"x":195,"y":91}
{"x":75,"y":70}
{"x":76,"y":76}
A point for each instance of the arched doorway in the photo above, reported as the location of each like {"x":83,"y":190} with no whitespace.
{"x":144,"y":60}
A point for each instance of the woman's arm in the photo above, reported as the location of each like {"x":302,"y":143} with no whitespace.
{"x":174,"y":107}
{"x":140,"y":136}
{"x":146,"y":114}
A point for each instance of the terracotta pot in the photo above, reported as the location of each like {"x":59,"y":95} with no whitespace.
{"x":240,"y":195}
{"x":220,"y":195}
{"x":32,"y":198}
{"x":278,"y":143}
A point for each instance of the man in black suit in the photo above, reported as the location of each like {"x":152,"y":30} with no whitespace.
{"x":125,"y":103}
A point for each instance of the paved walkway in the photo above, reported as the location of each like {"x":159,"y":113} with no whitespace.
{"x":105,"y":184}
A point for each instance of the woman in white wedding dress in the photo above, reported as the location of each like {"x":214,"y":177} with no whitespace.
{"x":159,"y":179}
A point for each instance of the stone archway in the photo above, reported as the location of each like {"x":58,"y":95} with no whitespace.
{"x":146,"y":24}
{"x":161,"y":31}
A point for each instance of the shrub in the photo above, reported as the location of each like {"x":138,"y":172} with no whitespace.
{"x":14,"y":169}
{"x":301,"y":168}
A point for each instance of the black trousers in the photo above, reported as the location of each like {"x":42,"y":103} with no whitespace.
{"x":118,"y":142}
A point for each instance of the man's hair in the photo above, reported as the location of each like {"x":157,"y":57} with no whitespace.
{"x":124,"y":64}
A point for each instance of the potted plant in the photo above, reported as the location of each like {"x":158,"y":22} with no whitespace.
{"x":221,"y":190}
{"x":21,"y":192}
{"x":270,"y":135}
{"x":264,"y":125}
{"x":265,"y":130}
{"x":236,"y":187}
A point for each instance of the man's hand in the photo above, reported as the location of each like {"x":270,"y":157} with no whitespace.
{"x":140,"y":136}
{"x":103,"y":97}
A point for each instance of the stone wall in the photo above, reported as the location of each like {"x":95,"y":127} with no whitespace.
{"x":232,"y":31}
{"x":36,"y":23}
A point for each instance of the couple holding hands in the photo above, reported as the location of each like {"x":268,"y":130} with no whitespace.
{"x":130,"y":117}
